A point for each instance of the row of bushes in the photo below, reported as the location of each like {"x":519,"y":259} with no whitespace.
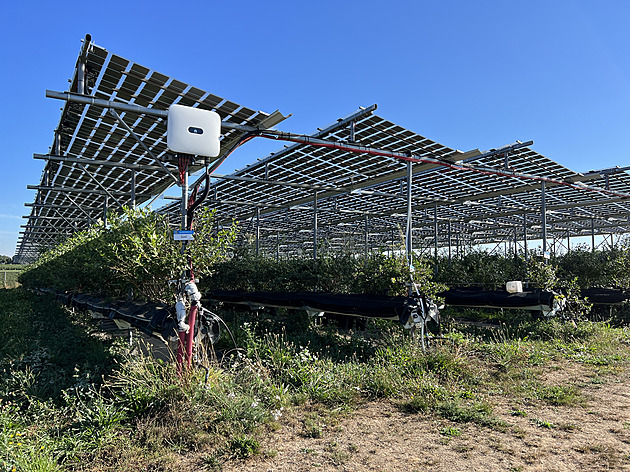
{"x":377,"y":274}
{"x":136,"y":253}
{"x":609,"y":268}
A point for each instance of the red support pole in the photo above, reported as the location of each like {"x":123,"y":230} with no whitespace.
{"x":192,"y":317}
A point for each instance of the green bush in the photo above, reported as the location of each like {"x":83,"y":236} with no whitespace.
{"x":136,"y":250}
{"x":377,"y":274}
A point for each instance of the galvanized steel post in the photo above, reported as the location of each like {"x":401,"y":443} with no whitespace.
{"x":366,"y":236}
{"x":257,"y":231}
{"x":133,"y":189}
{"x":105,"y":210}
{"x":408,"y":235}
{"x":543,"y":208}
{"x":315,"y":225}
{"x":525,"y":235}
{"x":435,"y":232}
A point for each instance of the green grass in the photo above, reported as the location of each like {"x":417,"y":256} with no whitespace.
{"x":71,"y":400}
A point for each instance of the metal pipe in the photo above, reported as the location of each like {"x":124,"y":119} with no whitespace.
{"x":96,"y":162}
{"x":592,"y":235}
{"x":75,"y":190}
{"x":409,"y":232}
{"x":315,"y":210}
{"x":435,"y":233}
{"x":366,"y":237}
{"x":450,"y":243}
{"x":105,"y":210}
{"x":133,"y":189}
{"x":184,"y":202}
{"x":89,"y":100}
{"x":525,"y":236}
{"x":543,"y":209}
{"x":257,"y":231}
{"x":81,"y":87}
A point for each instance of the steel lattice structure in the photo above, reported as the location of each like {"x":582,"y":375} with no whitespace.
{"x":310,"y":194}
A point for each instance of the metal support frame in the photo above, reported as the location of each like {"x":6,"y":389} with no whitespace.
{"x":315,"y":225}
{"x":133,"y":189}
{"x":107,"y":192}
{"x":450,"y":243}
{"x":525,"y":236}
{"x":409,"y":231}
{"x":543,"y":217}
{"x":184,"y":201}
{"x":366,"y":237}
{"x":257,"y":231}
{"x":113,"y":112}
{"x":435,"y":232}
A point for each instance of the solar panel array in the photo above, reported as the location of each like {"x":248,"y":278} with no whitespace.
{"x":304,"y":195}
{"x":94,"y":154}
{"x":361,"y":199}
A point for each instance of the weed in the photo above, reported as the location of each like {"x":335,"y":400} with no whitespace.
{"x":450,"y":431}
{"x":312,"y":429}
{"x":543,"y":424}
{"x":212,"y":462}
{"x":243,"y":447}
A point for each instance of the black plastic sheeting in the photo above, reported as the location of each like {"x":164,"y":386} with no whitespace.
{"x":377,"y":306}
{"x":478,"y":298}
{"x":150,"y":318}
{"x":605,"y":296}
{"x":369,"y":306}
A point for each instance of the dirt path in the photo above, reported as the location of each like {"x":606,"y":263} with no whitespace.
{"x":380,"y":437}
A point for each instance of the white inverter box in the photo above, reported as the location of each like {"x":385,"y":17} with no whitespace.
{"x":193,"y":131}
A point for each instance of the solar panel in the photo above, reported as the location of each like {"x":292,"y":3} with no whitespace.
{"x":304,"y":194}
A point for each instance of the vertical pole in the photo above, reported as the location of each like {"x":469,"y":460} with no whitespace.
{"x":105,"y":210}
{"x":525,"y":236}
{"x":365,"y":236}
{"x":257,"y":231}
{"x":315,"y":226}
{"x":184,"y":205}
{"x":568,"y":242}
{"x":408,"y":235}
{"x":592,"y":235}
{"x":277,"y":246}
{"x":133,"y":189}
{"x":435,"y":231}
{"x":450,"y":243}
{"x":543,"y":208}
{"x":352,"y":131}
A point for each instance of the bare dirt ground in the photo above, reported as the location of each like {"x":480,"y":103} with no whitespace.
{"x":379,"y":436}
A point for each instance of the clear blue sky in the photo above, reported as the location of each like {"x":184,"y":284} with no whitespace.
{"x":468,"y":74}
